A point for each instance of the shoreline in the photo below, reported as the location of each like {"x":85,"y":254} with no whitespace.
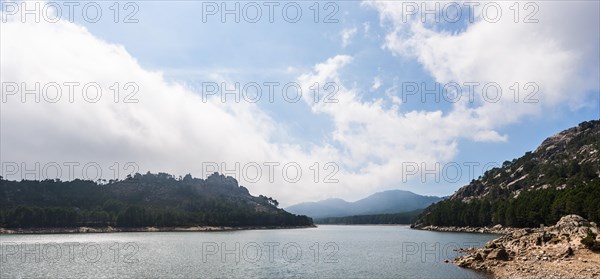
{"x":489,"y":230}
{"x":552,"y":252}
{"x":109,"y":229}
{"x":391,"y":225}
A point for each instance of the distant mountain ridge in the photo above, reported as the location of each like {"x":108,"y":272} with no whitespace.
{"x":392,"y":201}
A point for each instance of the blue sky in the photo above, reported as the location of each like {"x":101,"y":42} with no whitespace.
{"x":379,"y":54}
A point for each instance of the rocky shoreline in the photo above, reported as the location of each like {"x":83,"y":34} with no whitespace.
{"x":551,"y":252}
{"x":498,"y":229}
{"x":142,"y":229}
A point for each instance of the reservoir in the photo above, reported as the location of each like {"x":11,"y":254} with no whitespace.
{"x":328,"y":251}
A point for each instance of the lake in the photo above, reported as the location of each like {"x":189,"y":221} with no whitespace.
{"x":328,"y":251}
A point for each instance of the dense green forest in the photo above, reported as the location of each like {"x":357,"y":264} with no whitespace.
{"x":158,"y":200}
{"x":560,"y":177}
{"x":529,"y":209}
{"x":392,"y":218}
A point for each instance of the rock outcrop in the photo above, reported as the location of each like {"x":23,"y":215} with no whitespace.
{"x":497,"y":229}
{"x":553,"y":252}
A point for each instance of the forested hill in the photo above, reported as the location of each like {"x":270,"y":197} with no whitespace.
{"x":158,"y":200}
{"x":562,"y":176}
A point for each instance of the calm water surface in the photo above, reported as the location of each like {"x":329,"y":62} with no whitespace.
{"x":323,"y":252}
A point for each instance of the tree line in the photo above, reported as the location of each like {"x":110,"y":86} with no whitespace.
{"x":528,"y":209}
{"x":389,"y":218}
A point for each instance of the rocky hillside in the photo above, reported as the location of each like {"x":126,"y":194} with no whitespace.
{"x":562,"y":176}
{"x":566,"y":159}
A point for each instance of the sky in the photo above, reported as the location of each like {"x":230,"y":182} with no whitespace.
{"x":298,"y":100}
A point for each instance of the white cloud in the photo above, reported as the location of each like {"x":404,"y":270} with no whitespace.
{"x":386,"y":138}
{"x":376,"y":83}
{"x":559,"y":54}
{"x":347,"y":35}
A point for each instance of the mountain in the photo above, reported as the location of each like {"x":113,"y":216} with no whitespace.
{"x":561,"y":177}
{"x":158,"y":200}
{"x":393,"y":201}
{"x":324,"y":208}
